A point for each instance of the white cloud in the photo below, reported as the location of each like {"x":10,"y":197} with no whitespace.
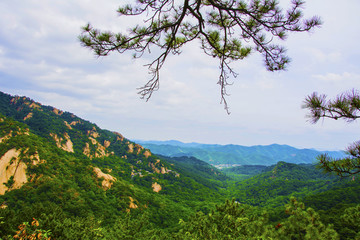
{"x":40,"y":53}
{"x":337,"y":78}
{"x":323,"y":55}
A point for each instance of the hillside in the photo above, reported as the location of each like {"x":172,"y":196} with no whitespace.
{"x":235,"y":155}
{"x":51,"y":159}
{"x":272,"y":187}
{"x":64,"y":177}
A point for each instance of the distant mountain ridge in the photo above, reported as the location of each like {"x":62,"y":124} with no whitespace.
{"x":233,"y":155}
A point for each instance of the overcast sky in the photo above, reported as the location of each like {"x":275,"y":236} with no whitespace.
{"x":41,"y":57}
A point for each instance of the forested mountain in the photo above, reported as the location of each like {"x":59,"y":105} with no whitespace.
{"x":54,"y":161}
{"x":64,"y":177}
{"x":232,"y":155}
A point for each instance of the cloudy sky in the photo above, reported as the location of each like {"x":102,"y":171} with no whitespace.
{"x":41,"y":57}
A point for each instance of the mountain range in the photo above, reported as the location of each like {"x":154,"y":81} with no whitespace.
{"x":235,"y":155}
{"x":66,"y":178}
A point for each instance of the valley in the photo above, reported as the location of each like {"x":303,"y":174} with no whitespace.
{"x":66,"y":178}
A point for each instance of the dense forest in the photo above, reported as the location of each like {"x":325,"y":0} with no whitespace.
{"x":63,"y":177}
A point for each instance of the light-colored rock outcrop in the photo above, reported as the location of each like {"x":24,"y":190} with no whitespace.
{"x":86,"y":150}
{"x":28,"y":116}
{"x":132,"y":204}
{"x":156,"y":187}
{"x":67,"y":146}
{"x":67,"y":125}
{"x":100,"y":150}
{"x":119,"y":137}
{"x":35,"y":105}
{"x":57,"y":111}
{"x":131,"y":148}
{"x":108,"y":180}
{"x":11,"y":166}
{"x":106,"y":144}
{"x":93,"y":133}
{"x":6,"y":137}
{"x":147,"y":153}
{"x":74,"y":123}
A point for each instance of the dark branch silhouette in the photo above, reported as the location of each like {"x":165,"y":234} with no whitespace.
{"x":228,"y":30}
{"x":345,"y":106}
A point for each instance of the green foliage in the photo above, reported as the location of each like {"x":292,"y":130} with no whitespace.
{"x":69,"y":201}
{"x":231,"y":220}
{"x":237,"y":221}
{"x":345,"y":106}
{"x":31,"y":231}
{"x":10,"y":182}
{"x":276,"y":183}
{"x":246,"y":169}
{"x":350,"y":223}
{"x":303,"y":224}
{"x":227,"y":30}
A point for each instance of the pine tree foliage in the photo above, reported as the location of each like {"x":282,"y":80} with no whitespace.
{"x":304,"y":224}
{"x":233,"y":220}
{"x":345,"y":106}
{"x":228,"y":30}
{"x":351,"y":223}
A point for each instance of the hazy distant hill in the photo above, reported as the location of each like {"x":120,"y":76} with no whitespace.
{"x":235,"y":154}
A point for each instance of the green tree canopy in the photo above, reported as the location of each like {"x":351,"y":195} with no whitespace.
{"x":228,"y":30}
{"x":345,"y":106}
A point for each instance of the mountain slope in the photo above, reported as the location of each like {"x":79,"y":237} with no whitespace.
{"x":67,"y":177}
{"x":53,"y":160}
{"x":232,"y":155}
{"x":272,"y":188}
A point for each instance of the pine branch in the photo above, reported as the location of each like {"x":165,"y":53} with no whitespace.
{"x":228,"y":30}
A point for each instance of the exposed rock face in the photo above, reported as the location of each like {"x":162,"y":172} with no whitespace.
{"x":147,"y":153}
{"x":86,"y":150}
{"x":57,"y":111}
{"x":6,"y":137}
{"x":28,"y":116}
{"x":119,"y":137}
{"x":132,"y":204}
{"x":157,"y":167}
{"x":100,"y":150}
{"x":156,"y":187}
{"x":137,"y":148}
{"x":153,"y":166}
{"x":67,"y":125}
{"x":67,"y":146}
{"x":34,"y":105}
{"x":74,"y":123}
{"x":131,"y":147}
{"x":93,"y":133}
{"x":93,"y":140}
{"x":106,"y":144}
{"x":108,"y":180}
{"x":15,"y":99}
{"x":11,"y":166}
